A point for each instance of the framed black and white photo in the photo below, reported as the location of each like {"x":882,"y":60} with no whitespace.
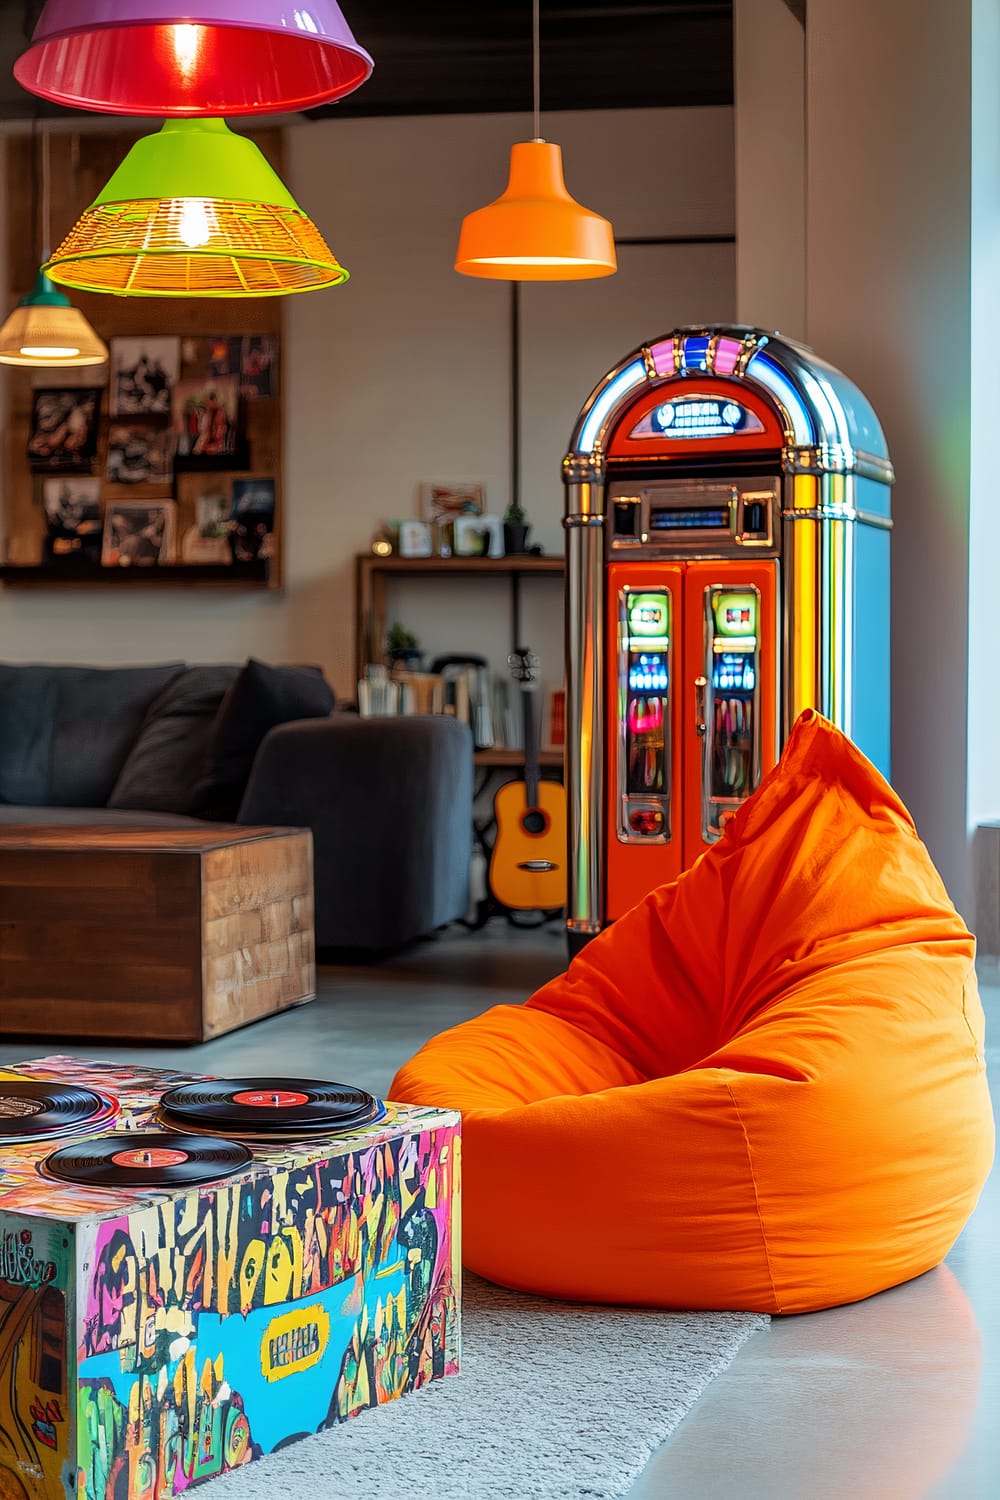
{"x":144,"y":372}
{"x":140,"y":453}
{"x":63,"y":437}
{"x":138,"y":533}
{"x":479,"y":536}
{"x":72,"y":506}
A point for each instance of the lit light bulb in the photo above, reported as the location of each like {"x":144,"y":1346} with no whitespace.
{"x":187,"y":45}
{"x":195,"y":229}
{"x":54,"y":353}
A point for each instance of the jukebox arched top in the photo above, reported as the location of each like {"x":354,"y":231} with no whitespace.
{"x":701,"y":389}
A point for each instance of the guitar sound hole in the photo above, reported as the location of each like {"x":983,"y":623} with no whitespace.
{"x":534,"y":821}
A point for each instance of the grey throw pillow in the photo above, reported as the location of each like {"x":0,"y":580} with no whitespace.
{"x":170,"y":753}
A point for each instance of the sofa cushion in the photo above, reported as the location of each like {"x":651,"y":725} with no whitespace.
{"x":262,"y":697}
{"x":27,"y":714}
{"x":68,"y":730}
{"x":171,"y":750}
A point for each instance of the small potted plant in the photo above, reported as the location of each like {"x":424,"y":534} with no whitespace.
{"x":515,"y":528}
{"x":401,"y":646}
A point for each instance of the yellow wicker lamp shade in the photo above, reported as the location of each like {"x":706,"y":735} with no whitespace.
{"x":195,"y":211}
{"x":46,"y":329}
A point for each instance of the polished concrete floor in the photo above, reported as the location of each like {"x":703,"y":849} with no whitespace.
{"x":890,"y":1399}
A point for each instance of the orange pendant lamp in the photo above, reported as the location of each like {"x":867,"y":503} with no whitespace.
{"x":535,"y":231}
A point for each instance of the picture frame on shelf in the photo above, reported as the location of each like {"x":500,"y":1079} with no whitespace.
{"x":478,"y":536}
{"x":251,"y":518}
{"x":415,"y":539}
{"x":204,"y":414}
{"x":139,"y":452}
{"x":446,"y":500}
{"x":64,"y":424}
{"x":207,"y":541}
{"x":72,"y":506}
{"x":138,"y":533}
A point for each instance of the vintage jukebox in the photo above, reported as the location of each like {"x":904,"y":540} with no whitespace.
{"x":727,"y":561}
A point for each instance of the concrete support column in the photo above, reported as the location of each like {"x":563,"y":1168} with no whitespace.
{"x":888,"y":137}
{"x":770,"y":142}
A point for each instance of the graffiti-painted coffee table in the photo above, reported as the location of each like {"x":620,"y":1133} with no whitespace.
{"x":150,"y":1340}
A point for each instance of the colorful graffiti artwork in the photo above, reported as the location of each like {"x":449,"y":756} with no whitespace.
{"x":34,"y":1273}
{"x":214,"y":1324}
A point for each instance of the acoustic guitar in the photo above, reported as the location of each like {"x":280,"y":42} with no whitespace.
{"x":528,"y":862}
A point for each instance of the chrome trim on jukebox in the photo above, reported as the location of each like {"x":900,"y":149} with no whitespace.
{"x":837,"y":460}
{"x":584,"y":708}
{"x":583,"y":468}
{"x":839,"y":513}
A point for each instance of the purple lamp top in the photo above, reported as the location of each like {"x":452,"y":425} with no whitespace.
{"x":192,"y":57}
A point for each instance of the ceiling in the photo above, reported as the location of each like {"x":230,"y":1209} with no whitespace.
{"x":449,"y":57}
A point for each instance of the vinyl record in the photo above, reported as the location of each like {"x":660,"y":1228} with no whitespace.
{"x":147,"y":1159}
{"x":265,"y":1106}
{"x":31,"y":1108}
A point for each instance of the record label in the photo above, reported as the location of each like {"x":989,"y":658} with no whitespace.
{"x":280,"y":1099}
{"x":14,"y":1109}
{"x":158,"y":1157}
{"x":147,"y":1160}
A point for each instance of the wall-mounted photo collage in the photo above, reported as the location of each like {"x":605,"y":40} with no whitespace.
{"x":162,"y":465}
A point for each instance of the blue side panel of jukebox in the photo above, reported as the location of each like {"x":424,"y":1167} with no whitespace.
{"x":871,"y":680}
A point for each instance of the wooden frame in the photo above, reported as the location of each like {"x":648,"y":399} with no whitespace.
{"x":81,"y":164}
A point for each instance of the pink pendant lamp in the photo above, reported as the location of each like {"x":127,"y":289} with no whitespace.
{"x":192,"y":57}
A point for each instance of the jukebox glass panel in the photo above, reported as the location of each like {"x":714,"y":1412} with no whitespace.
{"x":731,"y":767}
{"x":644,"y":708}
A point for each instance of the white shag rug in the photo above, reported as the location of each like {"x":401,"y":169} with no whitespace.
{"x":555,"y":1401}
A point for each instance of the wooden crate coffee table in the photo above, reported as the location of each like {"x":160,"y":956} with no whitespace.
{"x":156,"y":934}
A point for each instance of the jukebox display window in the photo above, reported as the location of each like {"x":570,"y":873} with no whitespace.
{"x":644,"y":685}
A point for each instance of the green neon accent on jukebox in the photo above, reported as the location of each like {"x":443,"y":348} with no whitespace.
{"x":736,"y":614}
{"x":649,"y":619}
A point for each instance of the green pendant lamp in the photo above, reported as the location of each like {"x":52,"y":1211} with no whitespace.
{"x":195,"y":211}
{"x":45,"y":329}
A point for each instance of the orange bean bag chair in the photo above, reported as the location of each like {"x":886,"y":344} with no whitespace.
{"x":762,"y":1088}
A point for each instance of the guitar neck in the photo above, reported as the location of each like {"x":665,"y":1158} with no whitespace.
{"x":531,"y":744}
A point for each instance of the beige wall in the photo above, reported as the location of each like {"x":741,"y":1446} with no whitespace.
{"x":402,"y":375}
{"x":769,"y":87}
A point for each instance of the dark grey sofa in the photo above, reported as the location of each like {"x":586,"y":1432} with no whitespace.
{"x":389,"y":801}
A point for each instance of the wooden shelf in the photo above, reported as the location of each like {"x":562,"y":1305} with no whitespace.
{"x":516,"y":758}
{"x":373,"y":573}
{"x":518,"y":562}
{"x":250,"y":575}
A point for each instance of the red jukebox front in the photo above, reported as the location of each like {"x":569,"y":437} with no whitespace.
{"x":727,"y":566}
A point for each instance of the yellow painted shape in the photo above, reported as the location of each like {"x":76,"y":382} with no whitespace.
{"x":294,"y":1341}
